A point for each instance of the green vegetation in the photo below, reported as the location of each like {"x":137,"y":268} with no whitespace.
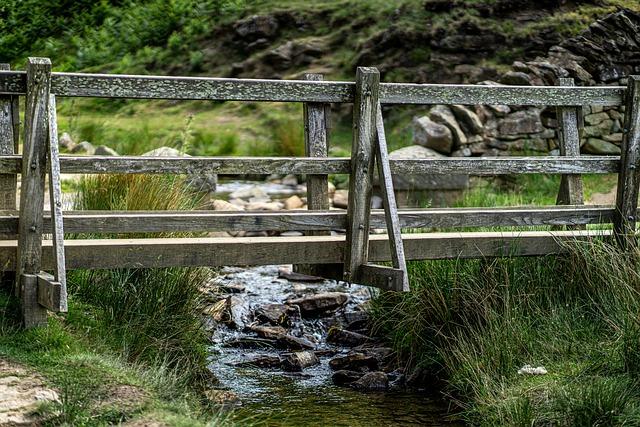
{"x":125,"y":327}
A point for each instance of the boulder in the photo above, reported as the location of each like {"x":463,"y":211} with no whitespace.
{"x":430,"y":134}
{"x":275,"y":314}
{"x":264,"y":206}
{"x":206,"y":182}
{"x":424,"y":181}
{"x":354,"y":362}
{"x":269,"y":332}
{"x":346,"y":338}
{"x":319,"y":304}
{"x":294,"y":343}
{"x":469,"y":120}
{"x":372,"y":381}
{"x":248,"y":193}
{"x":257,"y":27}
{"x":443,"y":115}
{"x":596,"y":119}
{"x":340,"y":199}
{"x":222,"y":205}
{"x":293,"y":202}
{"x":345,"y":377}
{"x":520,"y":122}
{"x":85,"y":147}
{"x":237,"y":312}
{"x":600,"y":146}
{"x":516,"y":78}
{"x":65,"y":141}
{"x":103,"y":150}
{"x":296,"y":362}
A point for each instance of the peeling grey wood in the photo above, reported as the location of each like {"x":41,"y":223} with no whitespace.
{"x":481,"y":166}
{"x":387,"y":278}
{"x":51,"y":293}
{"x":32,"y":186}
{"x":571,"y":189}
{"x":316,"y":143}
{"x":193,"y":252}
{"x":624,"y":223}
{"x":408,"y":93}
{"x":203,"y":221}
{"x":55,"y":198}
{"x":362,"y":164}
{"x":162,"y":87}
{"x":8,"y":182}
{"x":389,"y":202}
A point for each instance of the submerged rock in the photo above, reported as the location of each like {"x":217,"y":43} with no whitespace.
{"x":346,"y":338}
{"x":320,"y":303}
{"x":300,"y":360}
{"x":372,"y":381}
{"x":354,"y":362}
{"x":345,"y":377}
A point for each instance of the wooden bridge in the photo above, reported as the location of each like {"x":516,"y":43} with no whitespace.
{"x":348,"y":257}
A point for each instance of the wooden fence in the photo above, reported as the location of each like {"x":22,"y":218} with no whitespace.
{"x":25,"y":252}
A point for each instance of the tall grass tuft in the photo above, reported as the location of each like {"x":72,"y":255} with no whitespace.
{"x":151,"y":315}
{"x":474,"y":323}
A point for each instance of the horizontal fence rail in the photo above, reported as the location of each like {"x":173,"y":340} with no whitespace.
{"x":240,"y":251}
{"x":202,"y":221}
{"x":315,"y":165}
{"x":222,"y":89}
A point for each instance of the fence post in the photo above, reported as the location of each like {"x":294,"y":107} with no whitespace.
{"x":624,"y":220}
{"x":8,"y":145}
{"x":34,"y":157}
{"x":362,"y":163}
{"x":316,"y":143}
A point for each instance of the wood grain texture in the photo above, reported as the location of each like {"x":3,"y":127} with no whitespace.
{"x":624,"y":222}
{"x":191,"y":252}
{"x":408,"y":93}
{"x":55,"y":198}
{"x":203,"y":221}
{"x":389,"y":202}
{"x":50,"y":293}
{"x":36,"y":131}
{"x":8,"y":182}
{"x":362,"y":164}
{"x":387,"y":278}
{"x":164,"y":87}
{"x":571,"y":192}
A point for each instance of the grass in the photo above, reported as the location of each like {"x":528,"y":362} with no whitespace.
{"x":125,"y":327}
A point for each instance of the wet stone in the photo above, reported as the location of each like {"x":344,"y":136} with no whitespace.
{"x":231,"y":288}
{"x":294,"y":343}
{"x":296,"y":362}
{"x":269,"y":332}
{"x":297,"y":277}
{"x":354,"y":362}
{"x":346,"y":338}
{"x":372,"y":382}
{"x":345,"y":377}
{"x":250,"y":342}
{"x":265,"y":361}
{"x":275,"y":314}
{"x":320,"y":303}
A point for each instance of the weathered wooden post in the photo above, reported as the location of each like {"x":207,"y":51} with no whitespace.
{"x":362,"y":163}
{"x":316,"y":144}
{"x":624,"y":220}
{"x":9,"y":125}
{"x":571,"y":192}
{"x":34,"y":157}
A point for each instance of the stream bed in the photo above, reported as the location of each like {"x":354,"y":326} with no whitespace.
{"x":276,"y":396}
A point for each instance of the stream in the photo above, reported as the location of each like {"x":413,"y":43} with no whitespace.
{"x":275,"y":396}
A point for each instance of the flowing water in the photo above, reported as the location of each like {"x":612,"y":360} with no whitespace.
{"x":277,"y":398}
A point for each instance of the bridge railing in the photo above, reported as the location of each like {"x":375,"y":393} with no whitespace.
{"x":28,"y":254}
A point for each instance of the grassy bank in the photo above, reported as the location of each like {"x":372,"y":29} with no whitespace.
{"x":135,"y":330}
{"x":472,"y":324}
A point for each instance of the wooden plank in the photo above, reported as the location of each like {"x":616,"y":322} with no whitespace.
{"x":32,"y":186}
{"x":389,"y":202}
{"x":96,"y":222}
{"x":51,"y":294}
{"x":387,"y":278}
{"x":624,"y":222}
{"x":192,"y":252}
{"x":571,"y":192}
{"x":361,"y":177}
{"x":408,"y":93}
{"x":164,"y":87}
{"x":8,"y":182}
{"x":55,"y":198}
{"x":316,"y":143}
{"x":481,"y":166}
